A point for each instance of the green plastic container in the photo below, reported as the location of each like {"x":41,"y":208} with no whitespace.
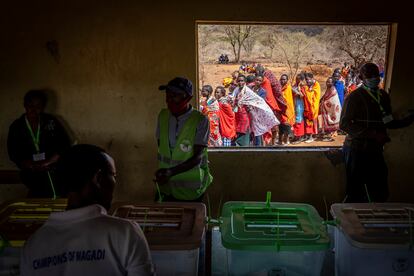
{"x":273,"y":238}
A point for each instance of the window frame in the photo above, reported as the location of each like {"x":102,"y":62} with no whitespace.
{"x":388,"y":68}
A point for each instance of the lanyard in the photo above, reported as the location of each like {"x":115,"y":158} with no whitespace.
{"x":377,"y":98}
{"x":36,"y":139}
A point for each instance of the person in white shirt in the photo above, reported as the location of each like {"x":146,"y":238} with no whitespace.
{"x":84,"y":240}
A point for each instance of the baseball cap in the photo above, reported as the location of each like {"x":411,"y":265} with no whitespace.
{"x":179,"y":85}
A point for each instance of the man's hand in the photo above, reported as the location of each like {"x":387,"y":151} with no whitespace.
{"x":43,"y":165}
{"x":27,"y":164}
{"x":162,"y":176}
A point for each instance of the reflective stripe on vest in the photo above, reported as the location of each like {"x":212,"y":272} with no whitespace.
{"x":173,"y":163}
{"x":189,"y":184}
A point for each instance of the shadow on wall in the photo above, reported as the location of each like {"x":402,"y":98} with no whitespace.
{"x":52,"y":105}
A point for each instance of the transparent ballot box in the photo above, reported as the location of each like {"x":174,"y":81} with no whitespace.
{"x":374,"y":239}
{"x":269,"y":238}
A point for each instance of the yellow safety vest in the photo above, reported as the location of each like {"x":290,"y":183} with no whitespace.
{"x":191,"y":184}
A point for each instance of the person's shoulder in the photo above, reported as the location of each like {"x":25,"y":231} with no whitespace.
{"x":356,"y":94}
{"x":198,"y":113}
{"x":38,"y":237}
{"x":163,"y":112}
{"x":48,"y":116}
{"x":18,"y":122}
{"x":360,"y":90}
{"x":117,"y":224}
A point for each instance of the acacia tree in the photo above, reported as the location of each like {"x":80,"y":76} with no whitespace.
{"x":204,"y":39}
{"x":270,"y":42}
{"x":361,"y":43}
{"x":236,"y":35}
{"x":293,"y":48}
{"x":251,"y":40}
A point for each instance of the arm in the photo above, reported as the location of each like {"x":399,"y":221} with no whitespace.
{"x":200,"y":143}
{"x":44,"y":165}
{"x":163,"y":175}
{"x":24,"y":263}
{"x":296,"y":92}
{"x":15,"y":150}
{"x":349,"y":114}
{"x":139,"y":257}
{"x":401,"y":123}
{"x":59,"y":143}
{"x":354,"y":123}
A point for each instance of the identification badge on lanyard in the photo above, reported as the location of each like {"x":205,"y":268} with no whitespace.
{"x":39,"y":156}
{"x":388,"y":118}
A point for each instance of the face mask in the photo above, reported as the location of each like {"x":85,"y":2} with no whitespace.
{"x":372,"y":82}
{"x":178,"y":108}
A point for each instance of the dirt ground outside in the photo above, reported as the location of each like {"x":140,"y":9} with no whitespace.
{"x":213,"y":74}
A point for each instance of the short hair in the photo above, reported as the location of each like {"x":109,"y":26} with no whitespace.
{"x":250,"y":78}
{"x":78,"y":165}
{"x":208,"y":88}
{"x":301,"y":76}
{"x":287,"y":77}
{"x":35,"y":94}
{"x":260,"y":69}
{"x":242,"y":76}
{"x":309,"y":75}
{"x":221,"y":88}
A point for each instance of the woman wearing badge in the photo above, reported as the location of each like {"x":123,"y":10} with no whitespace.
{"x":35,"y":142}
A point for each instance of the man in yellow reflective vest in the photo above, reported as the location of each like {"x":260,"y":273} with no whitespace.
{"x":182,"y":134}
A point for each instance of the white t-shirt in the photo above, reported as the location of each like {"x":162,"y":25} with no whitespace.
{"x":86,"y":241}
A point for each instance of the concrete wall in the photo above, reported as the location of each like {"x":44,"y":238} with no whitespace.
{"x":112,"y":55}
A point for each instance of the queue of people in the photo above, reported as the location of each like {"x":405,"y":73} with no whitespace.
{"x":302,"y":112}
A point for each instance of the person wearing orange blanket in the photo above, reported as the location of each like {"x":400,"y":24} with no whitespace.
{"x":288,"y":115}
{"x":298,"y":90}
{"x":227,"y":117}
{"x":312,"y":97}
{"x":271,"y":101}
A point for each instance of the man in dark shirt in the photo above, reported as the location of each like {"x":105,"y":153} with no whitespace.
{"x":366,"y":115}
{"x":35,"y":142}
